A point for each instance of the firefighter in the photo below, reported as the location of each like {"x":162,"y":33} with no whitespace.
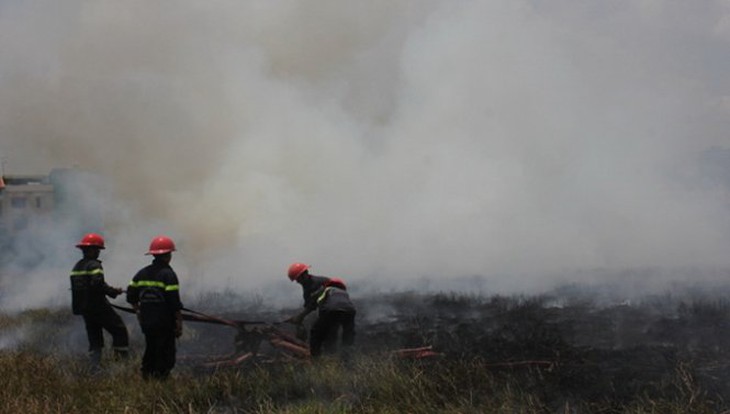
{"x":88,"y":299}
{"x":335,"y":311}
{"x":154,"y":292}
{"x":311,"y":285}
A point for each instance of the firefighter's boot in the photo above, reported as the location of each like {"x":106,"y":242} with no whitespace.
{"x":95,"y":360}
{"x":121,"y":353}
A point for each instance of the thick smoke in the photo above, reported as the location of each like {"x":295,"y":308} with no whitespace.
{"x":523,"y":142}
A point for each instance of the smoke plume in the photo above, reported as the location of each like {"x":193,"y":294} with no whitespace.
{"x":379,"y":141}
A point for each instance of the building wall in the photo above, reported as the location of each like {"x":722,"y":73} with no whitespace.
{"x":23,"y":200}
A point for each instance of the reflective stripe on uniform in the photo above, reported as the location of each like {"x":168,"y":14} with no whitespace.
{"x":87,"y":272}
{"x":323,"y":295}
{"x":152,"y":283}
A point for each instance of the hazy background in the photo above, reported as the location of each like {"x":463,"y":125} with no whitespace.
{"x":475,"y":145}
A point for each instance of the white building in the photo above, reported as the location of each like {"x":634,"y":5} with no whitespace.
{"x":24,"y":198}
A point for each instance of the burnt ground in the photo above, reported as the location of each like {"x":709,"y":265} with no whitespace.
{"x":587,"y":347}
{"x":571,"y":344}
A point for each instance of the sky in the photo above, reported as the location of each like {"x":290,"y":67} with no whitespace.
{"x":412,"y":144}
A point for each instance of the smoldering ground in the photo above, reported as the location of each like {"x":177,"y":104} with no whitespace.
{"x":510,"y":143}
{"x":564,"y":346}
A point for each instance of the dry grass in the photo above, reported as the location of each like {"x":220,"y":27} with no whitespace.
{"x":473,"y":333}
{"x":32,"y":383}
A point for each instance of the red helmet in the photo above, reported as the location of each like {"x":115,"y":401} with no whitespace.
{"x":91,"y":240}
{"x":336,"y":282}
{"x":296,"y":270}
{"x":161,"y":245}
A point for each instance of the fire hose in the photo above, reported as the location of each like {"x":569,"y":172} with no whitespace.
{"x":196,"y":316}
{"x":276,"y":337}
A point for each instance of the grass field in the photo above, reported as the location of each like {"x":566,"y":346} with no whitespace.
{"x":33,"y":383}
{"x":611,"y":359}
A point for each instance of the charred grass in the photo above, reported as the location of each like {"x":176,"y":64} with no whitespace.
{"x":498,"y":354}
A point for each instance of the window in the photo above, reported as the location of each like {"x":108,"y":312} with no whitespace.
{"x":17,"y":202}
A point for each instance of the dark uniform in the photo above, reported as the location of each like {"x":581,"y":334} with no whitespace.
{"x":335,"y":311}
{"x":311,"y":287}
{"x":88,"y":298}
{"x":155,"y":292}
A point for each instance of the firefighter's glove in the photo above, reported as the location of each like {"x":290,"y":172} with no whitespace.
{"x":296,"y":319}
{"x":115,"y":292}
{"x":302,"y":333}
